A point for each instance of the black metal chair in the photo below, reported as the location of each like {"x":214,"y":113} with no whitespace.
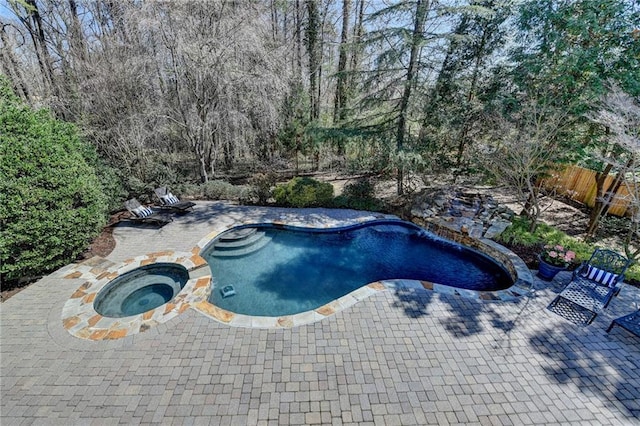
{"x":593,"y":284}
{"x":630,"y":322}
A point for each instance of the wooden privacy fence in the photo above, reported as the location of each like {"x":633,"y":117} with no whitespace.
{"x":579,"y":184}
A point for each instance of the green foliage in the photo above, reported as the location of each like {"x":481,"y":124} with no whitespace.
{"x":212,"y":190}
{"x":571,"y":49}
{"x":112,"y":186}
{"x":361,"y":188}
{"x":304,"y":192}
{"x":359,"y":195}
{"x":518,"y":233}
{"x":261,"y":184}
{"x":295,"y":120}
{"x":221,"y":190}
{"x":51,"y":200}
{"x":567,"y":55}
{"x":135,"y":187}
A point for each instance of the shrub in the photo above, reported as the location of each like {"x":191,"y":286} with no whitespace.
{"x":518,"y":233}
{"x":190,"y":190}
{"x":359,"y":195}
{"x":361,"y":188}
{"x":135,"y":187}
{"x":222,"y":190}
{"x":52,"y":203}
{"x":212,"y":190}
{"x":217,"y":190}
{"x":304,"y":192}
{"x":261,"y":184}
{"x":112,"y":186}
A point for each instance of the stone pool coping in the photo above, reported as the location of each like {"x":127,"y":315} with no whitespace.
{"x":81,"y":320}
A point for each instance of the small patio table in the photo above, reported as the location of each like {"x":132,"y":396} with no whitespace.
{"x":630,"y":322}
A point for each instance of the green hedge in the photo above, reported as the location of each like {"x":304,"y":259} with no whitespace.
{"x":51,"y":200}
{"x":304,"y":192}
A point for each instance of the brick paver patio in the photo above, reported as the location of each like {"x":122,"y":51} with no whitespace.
{"x":407,"y":357}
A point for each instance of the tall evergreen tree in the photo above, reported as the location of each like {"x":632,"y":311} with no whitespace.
{"x":339,"y":110}
{"x":569,"y":52}
{"x":462,"y":92}
{"x":402,"y":54}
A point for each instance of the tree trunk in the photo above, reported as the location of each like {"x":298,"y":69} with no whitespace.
{"x":598,"y":207}
{"x":421,"y":12}
{"x":604,"y":199}
{"x":274,"y":20}
{"x":76,"y":36}
{"x":339,"y":110}
{"x":313,"y":22}
{"x":450,"y":65}
{"x":358,"y":32}
{"x":11,"y":68}
{"x":298,"y":43}
{"x":462,"y":139}
{"x":33,"y":23}
{"x":532,"y":206}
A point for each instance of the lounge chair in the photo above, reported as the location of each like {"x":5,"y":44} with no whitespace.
{"x":630,"y":322}
{"x":594,"y":283}
{"x":168,"y":201}
{"x":140,"y":213}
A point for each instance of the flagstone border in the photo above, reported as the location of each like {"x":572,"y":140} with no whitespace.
{"x":81,"y":320}
{"x":518,"y":270}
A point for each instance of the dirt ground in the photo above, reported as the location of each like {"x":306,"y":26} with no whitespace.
{"x":566,"y":215}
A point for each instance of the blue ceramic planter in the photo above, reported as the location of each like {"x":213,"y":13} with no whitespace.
{"x":546,"y":271}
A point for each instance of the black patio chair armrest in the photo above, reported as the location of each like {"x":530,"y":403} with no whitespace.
{"x":578,"y":272}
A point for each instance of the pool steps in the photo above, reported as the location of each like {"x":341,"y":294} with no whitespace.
{"x":238,"y":235}
{"x":239,"y":243}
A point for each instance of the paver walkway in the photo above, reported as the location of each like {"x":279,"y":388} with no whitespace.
{"x":395,"y":358}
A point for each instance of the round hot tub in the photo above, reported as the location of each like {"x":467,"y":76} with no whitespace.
{"x":141,"y":290}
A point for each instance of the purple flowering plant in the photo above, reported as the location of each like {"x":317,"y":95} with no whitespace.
{"x":557,"y":255}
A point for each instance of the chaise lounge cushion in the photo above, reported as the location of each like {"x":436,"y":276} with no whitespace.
{"x":142,"y":211}
{"x":170,"y":199}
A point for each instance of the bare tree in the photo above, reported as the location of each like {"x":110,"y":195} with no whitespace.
{"x":225,"y":81}
{"x":28,"y":14}
{"x":521,"y":149}
{"x":9,"y":63}
{"x":620,"y":114}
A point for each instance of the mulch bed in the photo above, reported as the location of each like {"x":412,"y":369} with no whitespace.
{"x":104,"y":243}
{"x":529,"y":254}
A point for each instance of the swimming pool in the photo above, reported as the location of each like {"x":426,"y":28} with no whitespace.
{"x":235,"y":238}
{"x":278,"y":270}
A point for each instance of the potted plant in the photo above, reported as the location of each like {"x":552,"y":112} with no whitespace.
{"x":553,"y":259}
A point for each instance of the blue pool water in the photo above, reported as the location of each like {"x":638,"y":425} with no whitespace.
{"x":287,"y":271}
{"x":141,"y":290}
